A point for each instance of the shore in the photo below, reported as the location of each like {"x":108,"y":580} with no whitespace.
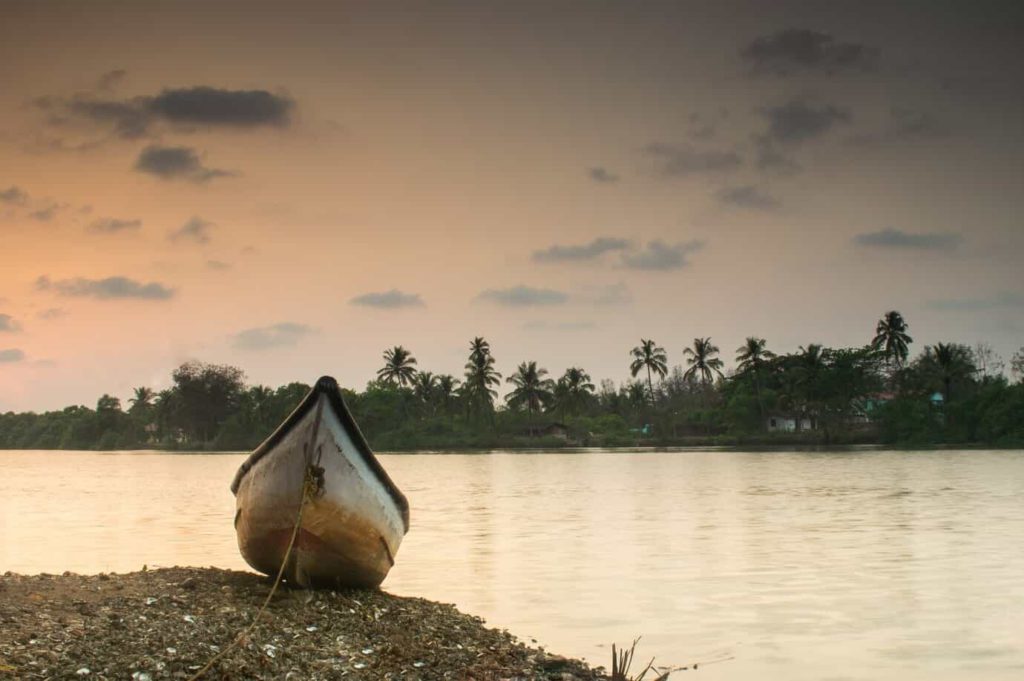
{"x":167,"y":623}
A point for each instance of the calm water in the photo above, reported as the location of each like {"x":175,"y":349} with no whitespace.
{"x":854,"y":565}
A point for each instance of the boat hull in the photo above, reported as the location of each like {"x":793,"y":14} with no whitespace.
{"x":353,"y":519}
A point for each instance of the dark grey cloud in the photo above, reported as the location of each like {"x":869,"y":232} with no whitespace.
{"x":8,"y":324}
{"x":797,"y":121}
{"x":661,"y":256}
{"x":184,"y":108}
{"x":113,"y":225}
{"x":523,"y":296}
{"x":196,"y":230}
{"x":202,"y":105}
{"x":105,"y":289}
{"x":903,"y":125}
{"x":11,"y":355}
{"x":747,"y":196}
{"x":284,"y":334}
{"x":110,"y":80}
{"x":676,"y":161}
{"x":388,"y":300}
{"x":575,"y":253}
{"x":999,"y":301}
{"x":896,"y":239}
{"x":176,"y":163}
{"x":603,"y":175}
{"x":13,"y":195}
{"x":802,"y":50}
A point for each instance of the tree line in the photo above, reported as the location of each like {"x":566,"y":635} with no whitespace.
{"x":948,"y":394}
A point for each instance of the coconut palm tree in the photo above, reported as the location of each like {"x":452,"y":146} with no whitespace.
{"x":445,"y":390}
{"x":702,"y":360}
{"x":573,"y":390}
{"x":398,"y":367}
{"x":480,"y":376}
{"x":142,"y":400}
{"x":950,"y":363}
{"x":649,"y":356}
{"x":532,"y":390}
{"x":424,"y":387}
{"x":892,"y":339}
{"x":751,"y":358}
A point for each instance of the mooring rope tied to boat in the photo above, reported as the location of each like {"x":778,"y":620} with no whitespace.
{"x":312,"y":486}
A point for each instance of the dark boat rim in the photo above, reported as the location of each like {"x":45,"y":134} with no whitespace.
{"x":327,"y":386}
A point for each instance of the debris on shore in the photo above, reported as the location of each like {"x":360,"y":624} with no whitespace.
{"x":167,"y":623}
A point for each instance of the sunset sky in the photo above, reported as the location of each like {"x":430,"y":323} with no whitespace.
{"x":291,"y":188}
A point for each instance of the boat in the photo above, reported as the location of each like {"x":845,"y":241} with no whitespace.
{"x":353,"y":516}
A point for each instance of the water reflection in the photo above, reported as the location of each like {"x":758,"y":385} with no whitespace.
{"x":799,"y":565}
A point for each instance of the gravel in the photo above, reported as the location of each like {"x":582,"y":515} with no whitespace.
{"x":167,"y":623}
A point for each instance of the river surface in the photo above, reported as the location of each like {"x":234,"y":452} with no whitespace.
{"x":761,"y":565}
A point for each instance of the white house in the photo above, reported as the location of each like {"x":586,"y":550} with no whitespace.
{"x":787,"y":423}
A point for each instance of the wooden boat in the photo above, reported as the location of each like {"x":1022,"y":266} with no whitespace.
{"x":353,"y":518}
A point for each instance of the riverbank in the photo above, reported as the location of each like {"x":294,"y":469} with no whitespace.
{"x":167,"y":623}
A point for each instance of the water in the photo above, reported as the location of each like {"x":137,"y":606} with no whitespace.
{"x":777,"y":565}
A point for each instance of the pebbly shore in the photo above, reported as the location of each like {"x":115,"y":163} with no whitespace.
{"x":167,"y":623}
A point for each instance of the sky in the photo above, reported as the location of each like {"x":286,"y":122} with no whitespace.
{"x":292,"y":188}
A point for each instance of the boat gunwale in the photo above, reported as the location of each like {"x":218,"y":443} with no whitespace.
{"x":327,"y":386}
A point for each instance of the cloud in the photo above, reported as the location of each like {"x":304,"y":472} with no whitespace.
{"x":52,"y":313}
{"x":176,"y":162}
{"x":196,"y":230}
{"x":388,"y":300}
{"x":589,"y":251}
{"x":274,"y":336}
{"x":105,"y":289}
{"x":602,"y":175}
{"x":904,"y":125}
{"x":110,"y":80}
{"x":218,"y":265}
{"x":199,"y":105}
{"x":214,"y":106}
{"x":114,"y":225}
{"x":800,"y":49}
{"x":45,"y":214}
{"x":999,"y":301}
{"x":660,"y":256}
{"x":747,"y":196}
{"x":559,"y":326}
{"x":611,"y":294}
{"x":8,"y":325}
{"x":674,"y":161}
{"x":523,"y":296}
{"x":11,"y":355}
{"x":797,"y":121}
{"x":896,"y":239}
{"x":13,"y":195}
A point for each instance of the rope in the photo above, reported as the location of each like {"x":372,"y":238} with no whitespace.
{"x":310,"y":488}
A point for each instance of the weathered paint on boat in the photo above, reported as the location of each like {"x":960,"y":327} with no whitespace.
{"x":351,"y":529}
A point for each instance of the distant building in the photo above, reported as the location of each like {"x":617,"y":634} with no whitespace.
{"x":787,"y":423}
{"x":556,"y":430}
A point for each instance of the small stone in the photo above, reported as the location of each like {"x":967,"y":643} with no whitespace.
{"x":83,"y":671}
{"x":150,"y":601}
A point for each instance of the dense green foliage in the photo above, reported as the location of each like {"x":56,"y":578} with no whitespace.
{"x":948,"y":394}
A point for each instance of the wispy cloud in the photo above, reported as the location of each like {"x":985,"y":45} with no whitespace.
{"x":13,"y":195}
{"x":388,"y":300}
{"x":284,"y":334}
{"x":114,"y":225}
{"x":52,"y":313}
{"x":677,"y":161}
{"x":896,"y":239}
{"x":802,"y":50}
{"x":661,"y":256}
{"x":610,"y":294}
{"x":523,"y":296}
{"x":105,"y":289}
{"x":578,"y":252}
{"x":195,"y":229}
{"x":903,"y":125}
{"x":11,"y":355}
{"x":603,"y":175}
{"x":798,"y":121}
{"x":999,"y":301}
{"x":8,"y":324}
{"x":559,"y":326}
{"x":218,"y":265}
{"x":171,"y":163}
{"x":747,"y":196}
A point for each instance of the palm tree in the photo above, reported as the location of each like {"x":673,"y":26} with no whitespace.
{"x":653,"y":358}
{"x":445,"y":389}
{"x":480,"y":375}
{"x":424,"y":386}
{"x":259,"y":397}
{"x":807,"y":365}
{"x":398,"y":367}
{"x":702,"y":360}
{"x":142,"y":400}
{"x":892,"y":339}
{"x":573,"y":390}
{"x":532,"y":390}
{"x":949,"y":362}
{"x":750,"y":359}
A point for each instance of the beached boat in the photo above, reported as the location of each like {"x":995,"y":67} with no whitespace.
{"x":353,"y":518}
